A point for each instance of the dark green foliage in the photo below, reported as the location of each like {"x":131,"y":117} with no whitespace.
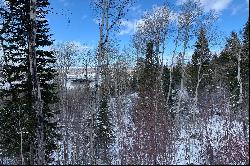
{"x":148,"y":78}
{"x":227,"y":61}
{"x":176,"y":81}
{"x":216,"y":80}
{"x":245,"y":59}
{"x":103,"y":131}
{"x":121,"y":79}
{"x":146,"y":71}
{"x":165,"y":80}
{"x":177,"y":72}
{"x":137,"y":72}
{"x":103,"y":127}
{"x":18,"y":114}
{"x":201,"y":58}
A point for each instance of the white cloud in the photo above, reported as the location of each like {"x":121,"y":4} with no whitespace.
{"x":64,"y":2}
{"x":235,"y":9}
{"x":160,"y":13}
{"x":136,"y":10}
{"x":217,"y":5}
{"x":129,"y":27}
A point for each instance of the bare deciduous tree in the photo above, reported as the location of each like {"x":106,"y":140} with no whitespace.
{"x":153,"y":27}
{"x":109,"y":15}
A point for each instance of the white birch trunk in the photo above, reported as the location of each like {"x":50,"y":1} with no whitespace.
{"x":171,"y":68}
{"x":239,"y":77}
{"x":243,"y":116}
{"x":182,"y":66}
{"x":198,"y":84}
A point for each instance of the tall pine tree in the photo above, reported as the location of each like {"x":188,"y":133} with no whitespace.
{"x":199,"y":67}
{"x":245,"y":59}
{"x":176,"y":84}
{"x":103,"y":130}
{"x":228,"y":63}
{"x":149,"y":115}
{"x":148,"y":78}
{"x":18,"y":115}
{"x":245,"y":77}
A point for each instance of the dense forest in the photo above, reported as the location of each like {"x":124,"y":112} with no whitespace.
{"x":61,"y":103}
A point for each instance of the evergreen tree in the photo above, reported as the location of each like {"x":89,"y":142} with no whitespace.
{"x":103,"y":128}
{"x":177,"y":72}
{"x":149,"y":115}
{"x":177,"y":69}
{"x":216,"y":80}
{"x":137,"y":72}
{"x":228,"y":63}
{"x":148,"y":78}
{"x":104,"y":135}
{"x":165,"y":80}
{"x":245,"y":58}
{"x":199,"y":67}
{"x":18,"y":116}
{"x":244,"y":107}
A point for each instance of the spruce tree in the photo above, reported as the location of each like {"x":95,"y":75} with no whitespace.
{"x":165,"y":79}
{"x":104,"y":133}
{"x":18,"y":116}
{"x":149,"y":115}
{"x":177,"y":72}
{"x":200,"y":60}
{"x":245,"y":59}
{"x":103,"y":128}
{"x":228,"y":63}
{"x":177,"y":69}
{"x":148,"y":77}
{"x":245,"y":78}
{"x":137,"y":72}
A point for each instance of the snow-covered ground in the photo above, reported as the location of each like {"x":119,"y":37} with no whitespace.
{"x":199,"y":142}
{"x":208,"y":139}
{"x":122,"y":124}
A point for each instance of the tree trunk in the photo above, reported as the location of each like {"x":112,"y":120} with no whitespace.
{"x":171,"y":68}
{"x":40,"y":156}
{"x":97,"y":78}
{"x":198,"y":84}
{"x":182,"y":67}
{"x":241,"y":95}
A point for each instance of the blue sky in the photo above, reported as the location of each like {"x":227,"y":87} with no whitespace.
{"x":74,"y":20}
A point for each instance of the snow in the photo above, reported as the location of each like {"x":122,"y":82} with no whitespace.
{"x":125,"y":120}
{"x":214,"y":131}
{"x":194,"y":142}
